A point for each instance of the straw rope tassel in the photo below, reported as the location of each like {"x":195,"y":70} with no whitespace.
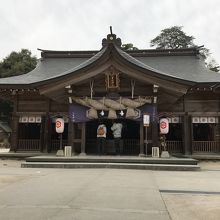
{"x":91,"y":88}
{"x":132,"y":88}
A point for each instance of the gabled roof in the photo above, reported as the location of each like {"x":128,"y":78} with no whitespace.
{"x":182,"y":65}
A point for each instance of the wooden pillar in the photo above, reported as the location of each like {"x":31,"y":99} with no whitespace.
{"x":14,"y":134}
{"x":145,"y":140}
{"x":71,"y":135}
{"x":187,"y":134}
{"x":83,"y":139}
{"x":155,"y":118}
{"x":42,"y":127}
{"x":14,"y":125}
{"x":155,"y":127}
{"x":47,"y":133}
{"x":141,"y":140}
{"x":47,"y":128}
{"x":218,"y":138}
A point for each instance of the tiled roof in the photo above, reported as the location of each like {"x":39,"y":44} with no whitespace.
{"x":178,"y":64}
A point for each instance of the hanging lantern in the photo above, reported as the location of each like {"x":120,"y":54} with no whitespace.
{"x":146,"y":119}
{"x":59,"y":125}
{"x":164,"y":126}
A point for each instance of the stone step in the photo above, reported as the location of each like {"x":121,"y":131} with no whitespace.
{"x":71,"y":165}
{"x":114,"y":159}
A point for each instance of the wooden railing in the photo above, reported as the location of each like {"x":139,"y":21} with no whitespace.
{"x":29,"y":144}
{"x":206,"y":146}
{"x":175,"y":146}
{"x":131,"y":146}
{"x":55,"y":144}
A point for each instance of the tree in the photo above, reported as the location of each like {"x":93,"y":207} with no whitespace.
{"x":212,"y":65}
{"x":175,"y":38}
{"x":129,"y":46}
{"x":17,"y":63}
{"x":172,"y":38}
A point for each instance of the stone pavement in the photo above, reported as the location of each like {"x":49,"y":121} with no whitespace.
{"x":83,"y":194}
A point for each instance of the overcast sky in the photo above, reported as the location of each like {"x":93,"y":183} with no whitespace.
{"x":81,"y":24}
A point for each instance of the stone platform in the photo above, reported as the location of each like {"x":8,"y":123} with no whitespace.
{"x":119,"y":162}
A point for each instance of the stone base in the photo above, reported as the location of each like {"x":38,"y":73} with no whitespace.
{"x":60,"y":153}
{"x":155,"y":152}
{"x":4,"y":150}
{"x":142,"y":155}
{"x":68,"y":151}
{"x":165,"y":154}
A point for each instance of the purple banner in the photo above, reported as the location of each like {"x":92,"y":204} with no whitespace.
{"x":77,"y":113}
{"x":147,"y":108}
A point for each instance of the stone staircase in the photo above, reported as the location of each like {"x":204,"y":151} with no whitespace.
{"x":117,"y":162}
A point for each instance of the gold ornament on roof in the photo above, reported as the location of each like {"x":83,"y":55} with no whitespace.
{"x":112,"y":79}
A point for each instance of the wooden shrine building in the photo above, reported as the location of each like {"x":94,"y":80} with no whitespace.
{"x":84,"y":87}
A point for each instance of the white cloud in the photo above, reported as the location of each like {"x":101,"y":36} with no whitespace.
{"x":81,"y":25}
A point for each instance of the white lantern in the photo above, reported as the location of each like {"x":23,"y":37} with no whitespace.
{"x":164,"y":126}
{"x":146,"y":119}
{"x":59,"y":124}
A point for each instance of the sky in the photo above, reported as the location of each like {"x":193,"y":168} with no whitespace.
{"x":82,"y":24}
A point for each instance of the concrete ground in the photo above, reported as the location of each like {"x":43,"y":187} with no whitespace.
{"x":81,"y":194}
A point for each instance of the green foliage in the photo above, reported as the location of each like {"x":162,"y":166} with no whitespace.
{"x":129,"y":46}
{"x":175,"y":38}
{"x":172,"y":38}
{"x":204,"y":52}
{"x":17,"y":63}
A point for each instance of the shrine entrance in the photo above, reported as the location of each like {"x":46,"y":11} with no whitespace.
{"x":130,"y":140}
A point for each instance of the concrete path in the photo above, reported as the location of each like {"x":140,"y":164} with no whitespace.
{"x":87,"y":194}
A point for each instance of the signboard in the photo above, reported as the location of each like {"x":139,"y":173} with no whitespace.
{"x":164,"y":126}
{"x":59,"y":125}
{"x":146,"y":119}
